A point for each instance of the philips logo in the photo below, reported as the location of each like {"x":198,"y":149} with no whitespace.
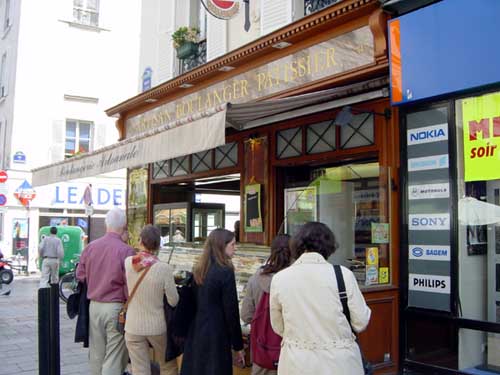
{"x":430,"y":252}
{"x":429,"y":283}
{"x":428,"y":162}
{"x":427,"y":134}
{"x":429,"y":222}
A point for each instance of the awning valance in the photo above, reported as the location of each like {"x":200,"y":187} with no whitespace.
{"x":197,"y":133}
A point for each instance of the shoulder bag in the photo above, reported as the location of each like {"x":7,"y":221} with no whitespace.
{"x":122,"y":315}
{"x":367,"y":366}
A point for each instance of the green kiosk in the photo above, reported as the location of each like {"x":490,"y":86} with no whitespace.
{"x":72,"y":239}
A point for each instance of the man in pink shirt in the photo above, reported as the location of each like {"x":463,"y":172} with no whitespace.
{"x":102,"y":268}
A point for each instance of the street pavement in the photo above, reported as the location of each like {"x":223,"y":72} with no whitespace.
{"x":19,"y":333}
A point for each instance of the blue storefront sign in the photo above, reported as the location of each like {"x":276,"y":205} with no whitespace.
{"x":19,"y":157}
{"x":444,"y":48}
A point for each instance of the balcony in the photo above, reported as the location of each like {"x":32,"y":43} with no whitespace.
{"x":200,"y":58}
{"x":312,"y":6}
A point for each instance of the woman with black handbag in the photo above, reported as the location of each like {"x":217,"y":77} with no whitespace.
{"x":306,"y":310}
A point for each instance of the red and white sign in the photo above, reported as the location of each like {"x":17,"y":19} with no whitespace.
{"x":3,"y":177}
{"x":224,"y":9}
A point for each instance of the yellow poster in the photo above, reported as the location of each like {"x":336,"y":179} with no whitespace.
{"x":481,"y":122}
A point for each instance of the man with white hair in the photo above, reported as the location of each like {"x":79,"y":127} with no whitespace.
{"x":102,"y":268}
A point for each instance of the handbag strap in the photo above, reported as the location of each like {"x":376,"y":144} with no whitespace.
{"x":342,"y":293}
{"x":146,"y":270}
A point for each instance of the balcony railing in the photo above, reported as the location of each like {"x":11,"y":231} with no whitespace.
{"x":200,"y":58}
{"x":311,"y":6}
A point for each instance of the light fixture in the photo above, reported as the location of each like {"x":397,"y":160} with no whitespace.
{"x":186,"y":85}
{"x":345,"y":116}
{"x":226,"y":68}
{"x":281,"y":45}
{"x":151,"y":100}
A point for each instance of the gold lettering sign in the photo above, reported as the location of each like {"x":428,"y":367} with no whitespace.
{"x":343,"y":53}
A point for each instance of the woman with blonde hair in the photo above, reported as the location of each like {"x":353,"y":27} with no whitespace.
{"x":216,"y":328}
{"x":145,"y":324}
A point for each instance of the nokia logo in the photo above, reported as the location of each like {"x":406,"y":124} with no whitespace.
{"x":429,"y":221}
{"x":428,"y":162}
{"x":428,"y":134}
{"x":430,"y":252}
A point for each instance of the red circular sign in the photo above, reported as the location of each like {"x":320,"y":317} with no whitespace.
{"x":224,"y":4}
{"x":3,"y":177}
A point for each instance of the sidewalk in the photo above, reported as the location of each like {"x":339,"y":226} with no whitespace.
{"x":19,"y":333}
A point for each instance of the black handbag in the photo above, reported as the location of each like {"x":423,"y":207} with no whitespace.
{"x":367,"y":366}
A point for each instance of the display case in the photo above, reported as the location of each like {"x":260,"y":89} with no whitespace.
{"x":186,"y":222}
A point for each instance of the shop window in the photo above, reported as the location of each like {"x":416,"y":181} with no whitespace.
{"x":86,"y":12}
{"x":478,"y":226}
{"x":359,"y":132}
{"x":202,"y":161}
{"x":6,"y":16}
{"x":180,"y":166}
{"x":312,"y":6}
{"x":226,"y":155}
{"x":289,"y":143}
{"x":161,"y":169}
{"x":353,"y":201}
{"x":321,"y":137}
{"x":78,"y":137}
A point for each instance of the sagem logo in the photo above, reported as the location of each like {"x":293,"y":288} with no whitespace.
{"x":428,"y":162}
{"x":428,"y":134}
{"x":430,"y":252}
{"x":429,"y":221}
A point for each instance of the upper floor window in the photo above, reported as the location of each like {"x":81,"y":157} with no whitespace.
{"x":3,"y":76}
{"x":86,"y":12}
{"x":6,"y":17}
{"x":78,"y":137}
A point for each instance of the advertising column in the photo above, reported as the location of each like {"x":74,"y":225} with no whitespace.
{"x":428,"y":203}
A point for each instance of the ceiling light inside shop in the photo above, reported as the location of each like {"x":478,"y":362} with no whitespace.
{"x":281,"y":45}
{"x":186,"y":85}
{"x":226,"y":68}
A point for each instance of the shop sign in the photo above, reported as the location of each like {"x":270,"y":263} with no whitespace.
{"x":429,"y":221}
{"x":253,"y":214}
{"x":429,"y":252}
{"x":146,"y":78}
{"x":224,"y":9}
{"x":429,"y":283}
{"x":428,"y":134}
{"x":428,"y":162}
{"x":25,"y":193}
{"x":429,"y":191}
{"x":340,"y":54}
{"x":481,"y":124}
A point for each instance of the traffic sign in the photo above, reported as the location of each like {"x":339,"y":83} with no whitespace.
{"x":3,"y":200}
{"x":3,"y":177}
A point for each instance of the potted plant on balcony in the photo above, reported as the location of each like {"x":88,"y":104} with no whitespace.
{"x":185,"y":41}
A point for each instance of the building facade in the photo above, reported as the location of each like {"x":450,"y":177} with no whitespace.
{"x":62,"y":64}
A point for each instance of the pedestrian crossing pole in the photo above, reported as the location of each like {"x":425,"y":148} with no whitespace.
{"x":49,"y":355}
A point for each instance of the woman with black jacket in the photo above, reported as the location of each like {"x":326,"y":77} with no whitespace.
{"x":216,"y":328}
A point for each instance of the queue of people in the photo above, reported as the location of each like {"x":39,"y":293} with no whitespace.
{"x":296,"y":289}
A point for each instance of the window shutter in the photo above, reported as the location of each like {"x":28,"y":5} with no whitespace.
{"x":275,"y":14}
{"x":99,"y":134}
{"x":57,"y":137}
{"x":216,"y":37}
{"x":165,"y":49}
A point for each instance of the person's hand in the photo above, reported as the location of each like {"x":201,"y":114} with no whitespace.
{"x":240,"y":358}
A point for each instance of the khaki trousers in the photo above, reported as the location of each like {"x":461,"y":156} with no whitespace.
{"x":50,"y":272}
{"x":107,"y":351}
{"x":138,"y":349}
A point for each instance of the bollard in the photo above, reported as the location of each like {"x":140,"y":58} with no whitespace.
{"x":49,"y":361}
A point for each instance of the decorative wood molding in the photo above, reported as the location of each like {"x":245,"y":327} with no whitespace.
{"x":378,"y":26}
{"x":305,"y":28}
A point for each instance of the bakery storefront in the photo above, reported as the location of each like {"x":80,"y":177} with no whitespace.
{"x":449,"y":105}
{"x":294,"y":127}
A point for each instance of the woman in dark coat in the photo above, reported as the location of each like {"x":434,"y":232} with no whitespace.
{"x":216,"y":327}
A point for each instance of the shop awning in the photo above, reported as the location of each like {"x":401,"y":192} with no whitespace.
{"x":196,"y":133}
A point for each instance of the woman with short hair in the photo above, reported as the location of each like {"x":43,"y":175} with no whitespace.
{"x":307,"y":313}
{"x":260,"y":283}
{"x":216,"y":325}
{"x":145,"y":324}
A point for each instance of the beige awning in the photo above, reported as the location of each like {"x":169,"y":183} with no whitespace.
{"x":197,"y":133}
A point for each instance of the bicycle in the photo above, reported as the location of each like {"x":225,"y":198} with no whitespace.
{"x":68,"y":284}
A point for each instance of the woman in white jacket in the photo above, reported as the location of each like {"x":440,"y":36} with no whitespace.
{"x":306,"y":310}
